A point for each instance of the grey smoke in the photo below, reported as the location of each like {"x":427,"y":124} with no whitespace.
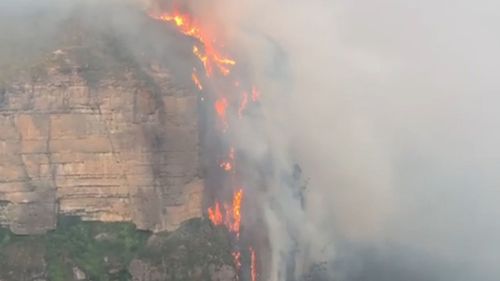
{"x":391,"y":109}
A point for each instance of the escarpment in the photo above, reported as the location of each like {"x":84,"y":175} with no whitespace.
{"x":123,"y":147}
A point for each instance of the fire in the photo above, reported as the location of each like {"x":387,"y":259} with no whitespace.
{"x":253,"y":264}
{"x":236,"y":212}
{"x":221,"y":107}
{"x":196,"y":80}
{"x":211,"y":56}
{"x":217,"y":64}
{"x":215,"y":214}
{"x":230,"y":216}
{"x":204,"y":60}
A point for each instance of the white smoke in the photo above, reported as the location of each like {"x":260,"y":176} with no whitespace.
{"x":390,"y":109}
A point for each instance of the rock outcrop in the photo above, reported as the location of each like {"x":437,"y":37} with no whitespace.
{"x":124,"y":148}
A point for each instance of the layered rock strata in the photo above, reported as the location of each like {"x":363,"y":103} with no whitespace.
{"x":125,"y":148}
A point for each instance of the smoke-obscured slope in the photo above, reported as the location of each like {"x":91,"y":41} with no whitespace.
{"x":29,"y":30}
{"x":390,"y":107}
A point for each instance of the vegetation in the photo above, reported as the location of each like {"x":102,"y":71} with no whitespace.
{"x":103,"y":251}
{"x":197,"y":242}
{"x":188,"y":253}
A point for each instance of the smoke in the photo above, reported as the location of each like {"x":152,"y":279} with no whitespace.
{"x":390,"y":109}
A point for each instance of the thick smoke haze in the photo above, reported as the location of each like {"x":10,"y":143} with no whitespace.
{"x":390,"y":108}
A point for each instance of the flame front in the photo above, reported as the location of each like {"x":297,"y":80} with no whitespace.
{"x":215,"y":214}
{"x":211,"y":57}
{"x":218,"y":65}
{"x":236,"y":212}
{"x":230,"y":216}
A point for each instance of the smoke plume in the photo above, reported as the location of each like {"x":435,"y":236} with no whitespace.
{"x":389,"y":108}
{"x":386,"y":111}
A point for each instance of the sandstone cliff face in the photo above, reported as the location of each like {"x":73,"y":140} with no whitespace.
{"x":122,"y":149}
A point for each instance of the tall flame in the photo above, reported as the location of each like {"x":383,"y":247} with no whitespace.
{"x":215,"y":214}
{"x":211,"y":56}
{"x":236,"y":212}
{"x":230,"y":216}
{"x":216,"y":62}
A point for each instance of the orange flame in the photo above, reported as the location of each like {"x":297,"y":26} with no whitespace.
{"x":215,"y":214}
{"x":196,"y":80}
{"x":253,"y":264}
{"x":232,"y":213}
{"x":221,"y":107}
{"x":204,"y":60}
{"x":211,"y":56}
{"x":236,"y":212}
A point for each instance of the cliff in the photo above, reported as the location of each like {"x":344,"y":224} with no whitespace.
{"x":100,"y":140}
{"x":85,"y":134}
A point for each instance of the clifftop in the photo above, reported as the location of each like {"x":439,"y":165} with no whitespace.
{"x":96,"y":128}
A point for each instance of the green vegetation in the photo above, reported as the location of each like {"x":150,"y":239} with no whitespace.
{"x":103,"y":251}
